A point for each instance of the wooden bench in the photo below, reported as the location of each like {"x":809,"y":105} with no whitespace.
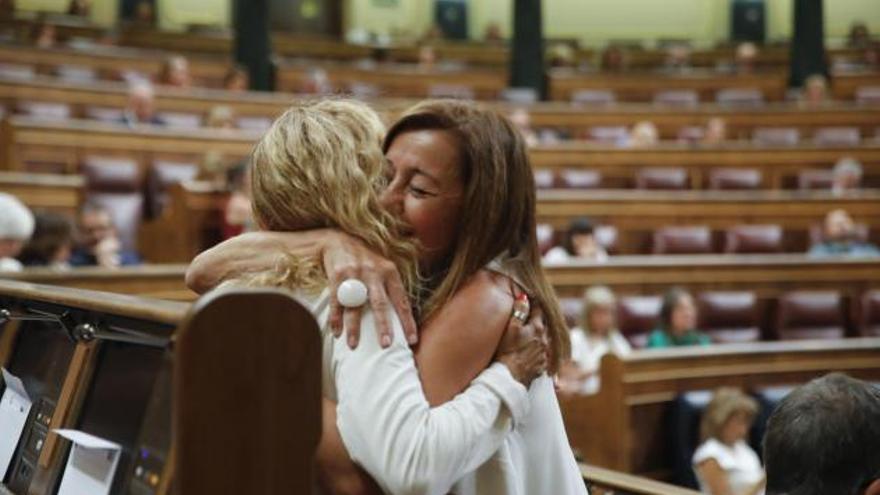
{"x":634,"y":86}
{"x":125,"y":369}
{"x":159,"y":281}
{"x":779,"y":165}
{"x":636,"y":214}
{"x":623,"y":426}
{"x":61,"y":193}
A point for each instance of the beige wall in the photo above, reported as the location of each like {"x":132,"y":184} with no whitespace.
{"x":593,"y":22}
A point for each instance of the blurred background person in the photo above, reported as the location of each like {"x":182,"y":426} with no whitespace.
{"x":175,"y":72}
{"x":678,"y":322}
{"x":859,"y":36}
{"x":16,"y":227}
{"x":746,"y":57}
{"x":523,"y":121}
{"x":427,"y":57}
{"x":80,"y":8}
{"x":236,"y":79}
{"x":814,"y":91}
{"x":238,"y":216}
{"x":841,"y":238}
{"x":51,"y":243}
{"x":644,"y":135}
{"x":724,"y":463}
{"x":596,"y":336}
{"x":716,"y":131}
{"x":846,"y":176}
{"x":492,"y":34}
{"x":613,"y":59}
{"x":580,"y":243}
{"x":43,"y":34}
{"x":97,"y":243}
{"x":677,"y":59}
{"x":221,"y":117}
{"x":141,"y":107}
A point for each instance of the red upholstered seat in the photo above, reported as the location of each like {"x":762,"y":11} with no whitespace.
{"x":837,"y":136}
{"x":606,"y":236}
{"x":729,"y":317}
{"x":110,"y":115}
{"x":256,"y":124}
{"x":458,"y":91}
{"x":682,"y":240}
{"x":662,"y":178}
{"x":117,"y":184}
{"x":868,"y":95}
{"x":869,"y":314}
{"x":753,"y":239}
{"x":817,"y":233}
{"x":162,"y":175}
{"x":810,"y":315}
{"x":610,"y":135}
{"x":519,"y":95}
{"x":691,"y":133}
{"x":44,"y":110}
{"x":544,"y":178}
{"x":735,"y":178}
{"x":813,"y":179}
{"x":76,"y":73}
{"x":776,"y":136}
{"x":17,"y":71}
{"x":572,"y":308}
{"x":579,"y":179}
{"x":180,"y":120}
{"x":637,"y":316}
{"x":740,"y":97}
{"x":593,"y":97}
{"x":545,"y":236}
{"x":677,"y":98}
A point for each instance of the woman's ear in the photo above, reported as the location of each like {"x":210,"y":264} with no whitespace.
{"x":873,"y":488}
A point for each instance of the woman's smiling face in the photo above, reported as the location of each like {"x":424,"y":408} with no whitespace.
{"x":426,"y":189}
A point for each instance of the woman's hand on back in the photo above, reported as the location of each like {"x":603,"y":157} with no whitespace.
{"x":346,"y":257}
{"x":524,"y":347}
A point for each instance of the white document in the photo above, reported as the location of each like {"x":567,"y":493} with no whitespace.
{"x":90,"y":465}
{"x":14,"y":408}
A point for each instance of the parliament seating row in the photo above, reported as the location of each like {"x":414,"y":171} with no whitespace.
{"x":125,"y":369}
{"x":625,"y":426}
{"x":731,"y":317}
{"x":103,"y":98}
{"x":676,"y":178}
{"x":34,"y":144}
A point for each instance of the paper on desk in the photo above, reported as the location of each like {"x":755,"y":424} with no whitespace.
{"x":15,"y":405}
{"x":90,"y":465}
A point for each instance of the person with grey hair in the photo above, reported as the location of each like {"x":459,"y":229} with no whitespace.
{"x":846,"y":176}
{"x":824,"y":439}
{"x":16,"y":227}
{"x":141,"y":108}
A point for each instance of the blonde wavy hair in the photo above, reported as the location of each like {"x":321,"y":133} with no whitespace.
{"x":321,"y":165}
{"x":726,"y":402}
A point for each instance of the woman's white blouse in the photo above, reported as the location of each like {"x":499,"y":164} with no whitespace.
{"x":739,"y":462}
{"x":587,"y":351}
{"x":387,"y":424}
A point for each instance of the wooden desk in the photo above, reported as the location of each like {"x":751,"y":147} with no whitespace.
{"x":636,"y":214}
{"x":622,"y":427}
{"x":155,"y":281}
{"x":66,"y":144}
{"x":634,"y":86}
{"x":61,"y":193}
{"x":780,"y":165}
{"x":110,"y":61}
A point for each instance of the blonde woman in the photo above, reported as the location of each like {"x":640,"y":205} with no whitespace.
{"x":596,"y":336}
{"x":320,"y":165}
{"x":724,"y":462}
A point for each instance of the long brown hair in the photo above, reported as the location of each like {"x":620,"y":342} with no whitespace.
{"x":499,"y":191}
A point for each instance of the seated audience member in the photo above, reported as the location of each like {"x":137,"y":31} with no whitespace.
{"x":644,"y":135}
{"x":814,"y":91}
{"x":427,"y":57}
{"x":824,"y":438}
{"x":238,"y":215}
{"x":214,"y":168}
{"x":613,"y":59}
{"x":523,"y":121}
{"x":580,"y":243}
{"x":141,"y":108}
{"x":847,"y":176}
{"x":97,"y":243}
{"x":175,"y":72}
{"x":16,"y":227}
{"x":716,"y":131}
{"x":561,"y":55}
{"x":859,"y":36}
{"x":236,"y":79}
{"x":492,"y":33}
{"x":43,"y":34}
{"x":50,"y":243}
{"x":316,"y":82}
{"x":841,"y":238}
{"x":145,"y":13}
{"x":678,"y":58}
{"x":746,"y":57}
{"x":724,"y":463}
{"x":80,"y":8}
{"x":596,"y":336}
{"x":221,"y":117}
{"x":678,"y":321}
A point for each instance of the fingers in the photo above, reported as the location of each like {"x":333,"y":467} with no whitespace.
{"x":352,"y":318}
{"x":400,"y":301}
{"x":380,"y":305}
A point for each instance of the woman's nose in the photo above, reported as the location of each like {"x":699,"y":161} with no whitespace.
{"x":392,"y":200}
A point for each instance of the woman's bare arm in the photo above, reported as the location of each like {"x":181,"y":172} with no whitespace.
{"x":343,"y":257}
{"x":715,"y":477}
{"x":460,"y":341}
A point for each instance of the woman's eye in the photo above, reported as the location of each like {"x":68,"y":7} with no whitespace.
{"x":419,"y":193}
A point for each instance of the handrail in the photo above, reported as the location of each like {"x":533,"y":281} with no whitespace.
{"x":606,"y":478}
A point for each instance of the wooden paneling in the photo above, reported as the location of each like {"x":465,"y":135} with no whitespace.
{"x":614,"y":428}
{"x":151,"y":280}
{"x":61,"y":193}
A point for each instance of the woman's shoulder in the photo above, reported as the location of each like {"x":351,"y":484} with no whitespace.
{"x":489,"y":293}
{"x":713,"y":449}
